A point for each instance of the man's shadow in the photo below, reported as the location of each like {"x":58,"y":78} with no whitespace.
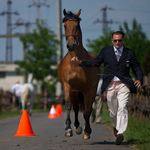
{"x":108,"y":143}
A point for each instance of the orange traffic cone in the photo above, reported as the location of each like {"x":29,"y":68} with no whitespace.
{"x":52,"y":113}
{"x":59,"y":110}
{"x":25,"y":128}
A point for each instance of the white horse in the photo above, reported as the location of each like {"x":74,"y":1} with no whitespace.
{"x":27,"y":95}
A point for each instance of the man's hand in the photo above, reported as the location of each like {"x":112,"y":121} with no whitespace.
{"x":75,"y":59}
{"x":137,"y":84}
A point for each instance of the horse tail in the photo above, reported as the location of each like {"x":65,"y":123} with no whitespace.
{"x":81,"y":101}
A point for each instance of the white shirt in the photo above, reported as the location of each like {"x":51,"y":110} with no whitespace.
{"x":99,"y":87}
{"x":115,"y":50}
{"x":16,"y":89}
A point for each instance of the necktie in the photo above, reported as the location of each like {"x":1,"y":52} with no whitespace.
{"x":118,"y":54}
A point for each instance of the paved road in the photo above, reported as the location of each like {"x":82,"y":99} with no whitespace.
{"x":50,"y":135}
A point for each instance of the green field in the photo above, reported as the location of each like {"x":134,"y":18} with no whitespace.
{"x":137,"y":133}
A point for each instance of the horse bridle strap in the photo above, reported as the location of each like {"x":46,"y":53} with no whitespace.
{"x":72,"y":19}
{"x":75,"y":37}
{"x":70,"y":35}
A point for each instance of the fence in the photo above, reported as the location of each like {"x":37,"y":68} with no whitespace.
{"x":5,"y":101}
{"x":139,"y":104}
{"x":8,"y":103}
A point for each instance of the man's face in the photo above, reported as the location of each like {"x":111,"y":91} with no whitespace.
{"x":117,"y":40}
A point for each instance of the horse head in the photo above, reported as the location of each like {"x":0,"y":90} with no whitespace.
{"x":72,"y":29}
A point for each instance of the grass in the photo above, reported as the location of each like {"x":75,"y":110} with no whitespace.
{"x":137,"y":133}
{"x":4,"y":115}
{"x":36,"y":109}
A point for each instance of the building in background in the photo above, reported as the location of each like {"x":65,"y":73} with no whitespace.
{"x":8,"y":75}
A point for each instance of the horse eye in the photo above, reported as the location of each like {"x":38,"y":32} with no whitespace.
{"x":65,"y":26}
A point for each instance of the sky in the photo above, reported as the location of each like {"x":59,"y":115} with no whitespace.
{"x":91,"y":10}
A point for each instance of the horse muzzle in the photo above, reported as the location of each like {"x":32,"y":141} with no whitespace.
{"x":72,"y":47}
{"x":73,"y":43}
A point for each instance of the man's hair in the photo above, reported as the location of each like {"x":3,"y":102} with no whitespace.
{"x":118,"y":32}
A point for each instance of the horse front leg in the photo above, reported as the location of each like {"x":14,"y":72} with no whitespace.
{"x":89,"y":98}
{"x":77,"y":126}
{"x":68,"y":130}
{"x":87,"y":127}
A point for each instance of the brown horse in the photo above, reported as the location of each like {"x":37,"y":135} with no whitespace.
{"x":80,"y":83}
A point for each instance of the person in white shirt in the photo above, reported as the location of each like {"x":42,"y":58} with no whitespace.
{"x":16,"y":91}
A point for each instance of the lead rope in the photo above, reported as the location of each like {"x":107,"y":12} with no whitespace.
{"x":99,"y":74}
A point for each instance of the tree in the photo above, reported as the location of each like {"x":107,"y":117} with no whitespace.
{"x":146,"y":63}
{"x":135,"y":39}
{"x":40,"y":54}
{"x":96,"y":45}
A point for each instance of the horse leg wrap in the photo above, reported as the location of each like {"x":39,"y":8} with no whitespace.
{"x":68,"y":130}
{"x":68,"y":105}
{"x":68,"y":109}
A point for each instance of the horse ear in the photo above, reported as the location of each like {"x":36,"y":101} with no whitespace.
{"x":64,"y":11}
{"x":79,"y":12}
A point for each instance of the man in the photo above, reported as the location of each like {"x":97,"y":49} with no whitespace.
{"x":97,"y":105}
{"x":117,"y":82}
{"x":16,"y":90}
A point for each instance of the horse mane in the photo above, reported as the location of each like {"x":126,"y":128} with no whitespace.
{"x":70,"y":16}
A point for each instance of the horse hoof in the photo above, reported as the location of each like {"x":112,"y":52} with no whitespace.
{"x":86,"y":136}
{"x":78,"y":130}
{"x":68,"y":133}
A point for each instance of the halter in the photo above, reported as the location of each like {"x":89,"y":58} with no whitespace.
{"x":76,"y":40}
{"x":75,"y":36}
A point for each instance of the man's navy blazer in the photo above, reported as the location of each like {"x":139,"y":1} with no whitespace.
{"x":113,"y":68}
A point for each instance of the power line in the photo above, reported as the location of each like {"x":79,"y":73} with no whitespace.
{"x":38,"y":5}
{"x":142,"y":11}
{"x":104,"y":20}
{"x":11,"y":26}
{"x":9,"y":30}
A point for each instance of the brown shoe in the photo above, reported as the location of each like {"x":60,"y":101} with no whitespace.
{"x":115,"y":131}
{"x":119,"y":139}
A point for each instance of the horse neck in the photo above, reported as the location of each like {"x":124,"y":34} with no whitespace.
{"x":80,"y":38}
{"x":80,"y":51}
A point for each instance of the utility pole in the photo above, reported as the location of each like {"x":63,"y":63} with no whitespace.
{"x":59,"y":50}
{"x":59,"y":31}
{"x":104,"y":20}
{"x":38,"y":5}
{"x":9,"y":56}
